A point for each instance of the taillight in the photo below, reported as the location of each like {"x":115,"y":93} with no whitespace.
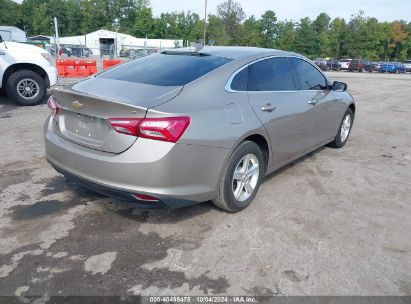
{"x":53,"y":105}
{"x":165,"y":129}
{"x":128,"y":126}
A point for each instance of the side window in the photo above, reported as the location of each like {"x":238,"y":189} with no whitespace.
{"x":240,"y":80}
{"x":270,"y":75}
{"x":308,"y":77}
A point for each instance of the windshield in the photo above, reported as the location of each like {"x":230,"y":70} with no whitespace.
{"x":166,"y":69}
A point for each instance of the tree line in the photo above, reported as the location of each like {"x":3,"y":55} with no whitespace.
{"x":359,"y":37}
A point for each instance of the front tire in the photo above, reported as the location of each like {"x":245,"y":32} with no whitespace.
{"x":344,"y":131}
{"x":241,"y":178}
{"x":26,"y":88}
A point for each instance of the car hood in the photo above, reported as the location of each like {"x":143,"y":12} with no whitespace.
{"x":22,"y":47}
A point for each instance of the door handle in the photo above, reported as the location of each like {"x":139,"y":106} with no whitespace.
{"x":268,"y":108}
{"x":313,"y":102}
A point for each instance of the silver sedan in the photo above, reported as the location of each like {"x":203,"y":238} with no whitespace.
{"x":186,"y":126}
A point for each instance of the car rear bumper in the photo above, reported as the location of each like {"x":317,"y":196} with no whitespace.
{"x":177,"y":174}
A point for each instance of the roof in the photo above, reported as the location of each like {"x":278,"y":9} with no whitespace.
{"x":238,"y":52}
{"x":10,"y":28}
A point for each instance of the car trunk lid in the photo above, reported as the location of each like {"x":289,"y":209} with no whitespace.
{"x":86,"y":107}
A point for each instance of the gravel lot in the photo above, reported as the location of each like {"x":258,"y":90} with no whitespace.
{"x":337,"y":222}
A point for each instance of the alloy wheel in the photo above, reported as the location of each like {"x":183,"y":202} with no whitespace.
{"x":245,"y":177}
{"x":28,"y":88}
{"x":345,"y":128}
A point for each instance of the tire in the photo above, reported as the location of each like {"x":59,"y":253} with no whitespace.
{"x":33,"y":80}
{"x":226,"y":198}
{"x":339,"y":141}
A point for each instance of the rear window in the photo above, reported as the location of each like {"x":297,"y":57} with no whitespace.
{"x":166,"y":69}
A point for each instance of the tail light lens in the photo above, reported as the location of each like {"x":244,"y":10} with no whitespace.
{"x":168,"y":129}
{"x":128,"y":126}
{"x":53,"y":105}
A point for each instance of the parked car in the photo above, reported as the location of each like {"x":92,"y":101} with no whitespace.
{"x":333,"y":64}
{"x":26,"y":72}
{"x":321,"y":63}
{"x":80,"y":51}
{"x":344,"y":63}
{"x":327,"y":65}
{"x":373,"y":67}
{"x":407,"y":64}
{"x":393,"y":67}
{"x":133,"y":53}
{"x":145,"y":131}
{"x":76,"y":51}
{"x":66,"y":50}
{"x":358,"y":65}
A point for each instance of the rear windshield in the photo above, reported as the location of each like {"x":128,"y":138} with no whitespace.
{"x":166,"y":69}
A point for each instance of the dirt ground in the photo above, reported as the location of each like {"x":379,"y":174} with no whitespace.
{"x":337,"y":222}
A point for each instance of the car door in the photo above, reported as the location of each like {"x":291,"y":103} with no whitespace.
{"x":325,"y":108}
{"x":280,"y":107}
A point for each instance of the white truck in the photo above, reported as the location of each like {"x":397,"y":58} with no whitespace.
{"x":26,"y":72}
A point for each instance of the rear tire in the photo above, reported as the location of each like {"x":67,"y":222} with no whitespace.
{"x":241,"y":178}
{"x":21,"y":80}
{"x":344,"y":130}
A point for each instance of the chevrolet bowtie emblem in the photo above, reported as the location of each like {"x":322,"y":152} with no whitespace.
{"x":77,"y":105}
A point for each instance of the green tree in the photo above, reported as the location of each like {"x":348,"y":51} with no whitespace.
{"x":269,"y":28}
{"x":216,"y":31}
{"x":355,"y":38}
{"x":10,"y":13}
{"x":74,"y":18}
{"x":231,"y":14}
{"x":321,"y":44}
{"x":41,"y":20}
{"x":286,"y":36}
{"x":251,"y":32}
{"x":337,"y":36}
{"x":144,"y":23}
{"x":305,"y":36}
{"x":187,"y":22}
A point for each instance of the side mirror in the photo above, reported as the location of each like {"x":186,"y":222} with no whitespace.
{"x":339,"y":86}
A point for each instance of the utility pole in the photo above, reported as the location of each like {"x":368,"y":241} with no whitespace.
{"x":205,"y":22}
{"x":57,"y":42}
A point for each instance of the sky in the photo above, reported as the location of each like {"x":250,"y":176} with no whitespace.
{"x":383,"y":10}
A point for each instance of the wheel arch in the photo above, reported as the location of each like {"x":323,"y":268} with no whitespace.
{"x":25,"y":66}
{"x":352,"y":107}
{"x":261,"y":140}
